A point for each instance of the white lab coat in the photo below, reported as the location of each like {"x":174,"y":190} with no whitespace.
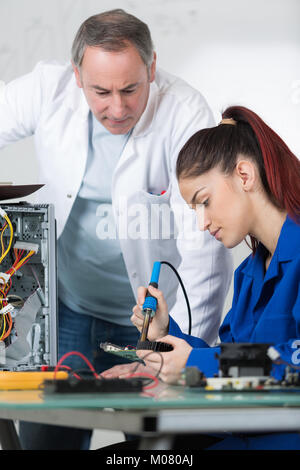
{"x":48,"y":104}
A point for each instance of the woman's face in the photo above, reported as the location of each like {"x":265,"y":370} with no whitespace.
{"x":221,"y":203}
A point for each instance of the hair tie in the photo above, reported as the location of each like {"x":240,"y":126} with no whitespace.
{"x":228,"y":121}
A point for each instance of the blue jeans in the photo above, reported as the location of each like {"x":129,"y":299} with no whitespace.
{"x":83,"y":333}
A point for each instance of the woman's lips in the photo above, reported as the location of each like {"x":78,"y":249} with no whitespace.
{"x":216,"y":234}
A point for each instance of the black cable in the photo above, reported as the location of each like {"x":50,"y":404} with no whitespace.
{"x":160,"y":368}
{"x":184,"y":293}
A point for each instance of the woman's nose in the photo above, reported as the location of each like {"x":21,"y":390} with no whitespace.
{"x":202,"y":217}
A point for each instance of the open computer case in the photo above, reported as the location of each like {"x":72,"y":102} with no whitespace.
{"x":28,"y":282}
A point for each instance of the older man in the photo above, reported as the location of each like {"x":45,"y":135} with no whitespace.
{"x":108,"y":129}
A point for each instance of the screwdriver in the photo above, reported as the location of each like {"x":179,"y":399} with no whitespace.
{"x":150,"y":304}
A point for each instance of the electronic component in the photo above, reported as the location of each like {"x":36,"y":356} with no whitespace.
{"x":28,"y":380}
{"x":194,"y":378}
{"x":26,"y":246}
{"x":126,"y":352}
{"x":244,"y":360}
{"x":243,"y":367}
{"x":93,"y":385}
{"x":28,"y":299}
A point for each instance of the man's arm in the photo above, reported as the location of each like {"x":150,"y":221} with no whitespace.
{"x":20,"y":106}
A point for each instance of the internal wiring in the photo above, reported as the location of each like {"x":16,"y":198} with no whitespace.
{"x":19,"y":261}
{"x":21,"y":258}
{"x":7,"y":323}
{"x":3,"y":228}
{"x":8,"y":223}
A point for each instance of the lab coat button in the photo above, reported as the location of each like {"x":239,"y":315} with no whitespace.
{"x":69,"y":195}
{"x":134,"y":274}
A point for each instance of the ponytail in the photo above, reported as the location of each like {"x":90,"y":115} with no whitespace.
{"x":241,"y":131}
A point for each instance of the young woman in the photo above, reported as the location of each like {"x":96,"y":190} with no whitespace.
{"x":242,"y":180}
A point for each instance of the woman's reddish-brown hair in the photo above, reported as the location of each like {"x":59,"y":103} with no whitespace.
{"x":279,"y":168}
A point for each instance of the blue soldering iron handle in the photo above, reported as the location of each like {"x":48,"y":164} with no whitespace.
{"x":150,"y":301}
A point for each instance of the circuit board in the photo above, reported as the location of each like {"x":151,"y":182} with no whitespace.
{"x":126,"y":352}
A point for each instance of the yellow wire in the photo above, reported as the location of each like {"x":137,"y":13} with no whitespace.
{"x":10,"y":239}
{"x":4,"y":326}
{"x":21,"y":262}
{"x":2,"y":244}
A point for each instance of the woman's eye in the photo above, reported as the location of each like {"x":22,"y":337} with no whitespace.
{"x":205,"y":203}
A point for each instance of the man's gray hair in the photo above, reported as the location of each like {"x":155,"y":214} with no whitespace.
{"x":112,"y":30}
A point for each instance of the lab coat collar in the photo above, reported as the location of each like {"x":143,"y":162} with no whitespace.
{"x":286,"y":250}
{"x":145,"y":123}
{"x":77,"y":102}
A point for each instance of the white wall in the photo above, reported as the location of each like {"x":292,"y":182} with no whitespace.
{"x":233,"y":51}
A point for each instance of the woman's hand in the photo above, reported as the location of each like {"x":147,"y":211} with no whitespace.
{"x":159,"y":324}
{"x":171,"y":363}
{"x":123,"y":370}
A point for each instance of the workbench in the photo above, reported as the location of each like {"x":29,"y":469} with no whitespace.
{"x":156,"y":415}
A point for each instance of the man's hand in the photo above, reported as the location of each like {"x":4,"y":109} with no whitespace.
{"x":159,"y":324}
{"x":172,"y":362}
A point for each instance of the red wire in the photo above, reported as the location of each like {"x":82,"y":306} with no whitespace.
{"x":70,"y":369}
{"x":155,"y":380}
{"x":75,"y":353}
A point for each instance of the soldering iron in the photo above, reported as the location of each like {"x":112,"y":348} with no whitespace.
{"x":149,"y":310}
{"x":150,"y":304}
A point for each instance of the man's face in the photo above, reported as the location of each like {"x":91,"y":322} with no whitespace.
{"x":116,"y":86}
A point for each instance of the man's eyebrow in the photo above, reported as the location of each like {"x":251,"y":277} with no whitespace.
{"x":195,"y":195}
{"x":128,"y":87}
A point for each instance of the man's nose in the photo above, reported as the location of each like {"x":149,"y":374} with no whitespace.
{"x":117,"y":107}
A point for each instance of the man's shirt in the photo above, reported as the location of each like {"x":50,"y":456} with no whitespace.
{"x":92,"y":277}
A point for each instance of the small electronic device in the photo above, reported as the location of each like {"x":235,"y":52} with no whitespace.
{"x":243,"y":367}
{"x":93,"y":385}
{"x":28,"y":380}
{"x":127,"y":352}
{"x":244,"y":360}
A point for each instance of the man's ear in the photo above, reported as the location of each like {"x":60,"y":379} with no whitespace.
{"x":152,"y":68}
{"x":77,"y":75}
{"x":245,"y":170}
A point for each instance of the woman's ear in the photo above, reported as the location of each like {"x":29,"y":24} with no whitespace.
{"x":245,"y":170}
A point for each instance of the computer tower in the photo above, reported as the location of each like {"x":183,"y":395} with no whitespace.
{"x":28,"y":286}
